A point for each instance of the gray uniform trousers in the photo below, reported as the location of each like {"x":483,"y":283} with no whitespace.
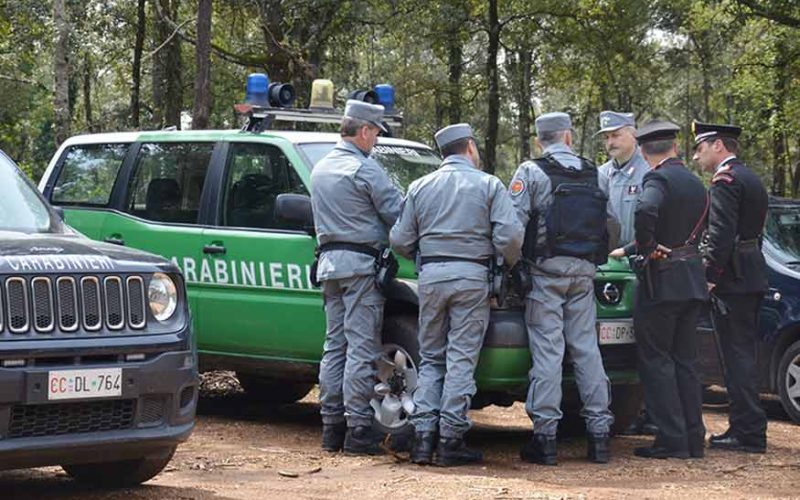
{"x":453,"y":319}
{"x":354,"y":314}
{"x":561,"y":310}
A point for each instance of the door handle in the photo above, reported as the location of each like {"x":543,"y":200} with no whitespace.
{"x":214,"y":249}
{"x":115,"y":241}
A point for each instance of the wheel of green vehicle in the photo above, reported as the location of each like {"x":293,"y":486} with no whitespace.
{"x":788,"y":378}
{"x":273,"y":391}
{"x":121,"y":474}
{"x":397,"y":370}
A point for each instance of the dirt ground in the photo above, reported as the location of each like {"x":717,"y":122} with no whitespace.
{"x":242,"y":450}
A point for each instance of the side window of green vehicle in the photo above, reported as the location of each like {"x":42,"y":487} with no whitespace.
{"x":168,"y":181}
{"x":88,"y":173}
{"x":256,"y":175}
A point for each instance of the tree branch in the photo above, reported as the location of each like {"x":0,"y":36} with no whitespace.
{"x":766,"y":13}
{"x":26,"y":81}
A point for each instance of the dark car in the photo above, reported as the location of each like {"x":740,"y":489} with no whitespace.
{"x":98,"y":366}
{"x":778,"y":351}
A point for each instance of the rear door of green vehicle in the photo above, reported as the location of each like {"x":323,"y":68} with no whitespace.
{"x":257,"y":299}
{"x":83,"y":184}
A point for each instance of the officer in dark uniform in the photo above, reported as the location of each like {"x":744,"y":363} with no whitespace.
{"x":670,"y":215}
{"x":737,"y":278}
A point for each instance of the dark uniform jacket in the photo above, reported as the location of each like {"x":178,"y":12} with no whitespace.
{"x":738,"y":208}
{"x":671,"y":207}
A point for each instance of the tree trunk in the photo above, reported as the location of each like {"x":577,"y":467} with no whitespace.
{"x":167,"y":71}
{"x":202,"y":82}
{"x":87,"y":92}
{"x":493,"y":91}
{"x":454,"y":72}
{"x":136,"y":70}
{"x":524,"y":107}
{"x":61,"y":71}
{"x":778,"y":122}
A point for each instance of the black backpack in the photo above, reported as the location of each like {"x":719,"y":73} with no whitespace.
{"x":576,"y":220}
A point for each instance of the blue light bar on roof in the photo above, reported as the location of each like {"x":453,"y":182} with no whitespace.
{"x":385,"y":96}
{"x":257,"y":91}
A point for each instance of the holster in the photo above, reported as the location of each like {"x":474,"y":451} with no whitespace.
{"x":641,"y":267}
{"x":497,"y":280}
{"x":312,"y":275}
{"x":739,"y":248}
{"x":521,"y":279}
{"x":386,"y":267}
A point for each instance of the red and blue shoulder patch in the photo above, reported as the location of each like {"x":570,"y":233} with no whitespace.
{"x":726,"y":177}
{"x":517,"y":187}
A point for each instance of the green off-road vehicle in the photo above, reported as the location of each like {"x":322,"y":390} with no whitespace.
{"x":211,"y":201}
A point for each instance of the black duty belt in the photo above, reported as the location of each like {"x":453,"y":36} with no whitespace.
{"x":352,"y":247}
{"x":684,"y":253}
{"x":748,"y":244}
{"x":444,"y":258}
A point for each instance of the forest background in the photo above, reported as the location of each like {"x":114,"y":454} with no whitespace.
{"x":69,"y":67}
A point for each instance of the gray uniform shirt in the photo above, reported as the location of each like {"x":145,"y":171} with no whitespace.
{"x":457,"y":211}
{"x":531,"y":187}
{"x":354,"y":201}
{"x":623,"y":184}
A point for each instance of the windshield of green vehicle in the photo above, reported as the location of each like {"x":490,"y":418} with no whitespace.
{"x":404,"y":164}
{"x":21,"y":208}
{"x":782,"y":233}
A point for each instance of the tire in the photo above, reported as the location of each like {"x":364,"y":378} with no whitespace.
{"x":788,"y":381}
{"x":626,"y":402}
{"x":121,"y":474}
{"x":401,"y":329}
{"x":400,"y":332}
{"x":272,"y":391}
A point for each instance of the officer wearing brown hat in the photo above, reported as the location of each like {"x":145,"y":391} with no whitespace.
{"x":736,"y":274}
{"x":669,"y":217}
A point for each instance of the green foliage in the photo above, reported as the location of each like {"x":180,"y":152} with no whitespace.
{"x":727,"y":60}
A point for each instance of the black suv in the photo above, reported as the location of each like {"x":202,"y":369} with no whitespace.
{"x":98,"y":367}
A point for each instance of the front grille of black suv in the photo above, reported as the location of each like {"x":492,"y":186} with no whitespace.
{"x":71,"y":418}
{"x":43,"y":304}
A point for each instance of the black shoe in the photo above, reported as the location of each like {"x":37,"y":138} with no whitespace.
{"x":333,"y":436}
{"x":642,"y":426}
{"x":453,"y":451}
{"x":598,"y":448}
{"x":422,"y":449}
{"x":363,"y":440}
{"x":660,"y":452}
{"x":728,"y":441}
{"x":541,"y":449}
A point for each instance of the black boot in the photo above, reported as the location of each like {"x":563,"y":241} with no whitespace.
{"x":541,"y":449}
{"x":598,"y":448}
{"x":363,"y":440}
{"x":333,"y":436}
{"x":453,"y":451}
{"x":422,"y":450}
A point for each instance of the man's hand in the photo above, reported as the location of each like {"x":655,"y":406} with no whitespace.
{"x":661,"y":252}
{"x":617,"y":253}
{"x":711,"y":287}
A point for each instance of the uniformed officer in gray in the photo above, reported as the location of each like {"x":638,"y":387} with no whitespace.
{"x":355,"y":204}
{"x":457,"y":219}
{"x":621,"y":177}
{"x":560,"y":308}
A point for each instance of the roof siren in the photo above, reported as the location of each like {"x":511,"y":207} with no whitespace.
{"x":281,"y":95}
{"x":368,"y":96}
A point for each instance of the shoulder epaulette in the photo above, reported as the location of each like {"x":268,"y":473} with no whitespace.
{"x":721,"y":176}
